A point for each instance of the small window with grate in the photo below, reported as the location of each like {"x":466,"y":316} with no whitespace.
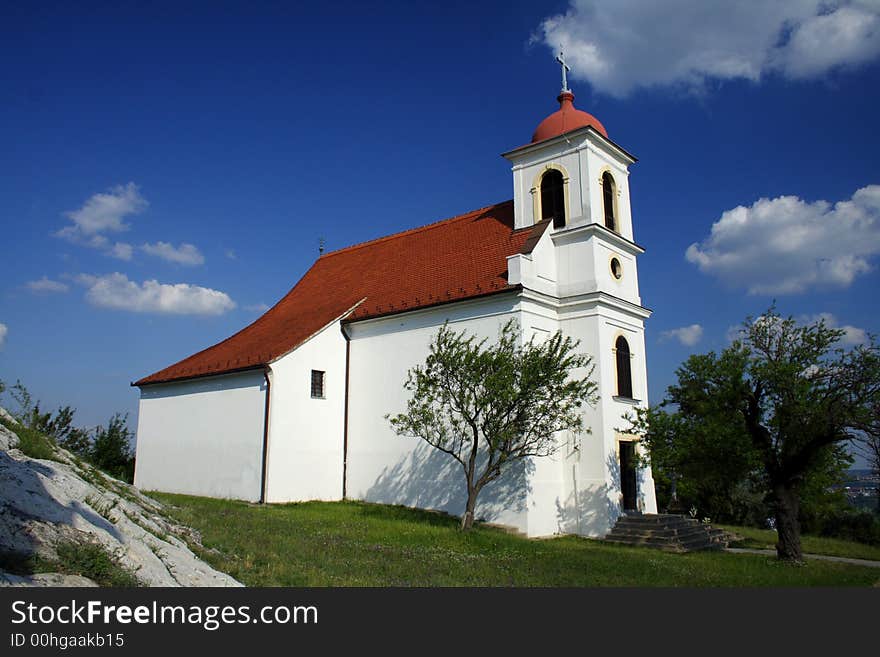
{"x":317,"y":384}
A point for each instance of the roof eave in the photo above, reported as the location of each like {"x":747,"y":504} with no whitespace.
{"x":140,"y":383}
{"x":445,"y":302}
{"x":566,"y":136}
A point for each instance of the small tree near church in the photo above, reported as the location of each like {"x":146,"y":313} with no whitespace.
{"x":488,"y":405}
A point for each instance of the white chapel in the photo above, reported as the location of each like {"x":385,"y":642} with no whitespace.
{"x":292,"y":407}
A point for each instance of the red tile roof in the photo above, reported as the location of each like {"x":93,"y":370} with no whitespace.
{"x":451,"y":260}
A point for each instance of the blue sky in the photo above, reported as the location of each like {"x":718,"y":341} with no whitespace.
{"x":166,"y":172}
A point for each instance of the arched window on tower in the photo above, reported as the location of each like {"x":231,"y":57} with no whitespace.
{"x":553,"y":197}
{"x":624,"y":370}
{"x":609,"y":191}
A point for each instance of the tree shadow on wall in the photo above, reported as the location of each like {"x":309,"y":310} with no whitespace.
{"x":427,"y":478}
{"x":591,"y":510}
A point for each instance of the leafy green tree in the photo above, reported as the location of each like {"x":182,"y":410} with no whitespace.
{"x":490,"y":405}
{"x":60,"y":427}
{"x":868,"y":440}
{"x":821,"y":494}
{"x":24,"y":401}
{"x":793,"y":393}
{"x":697,"y":463}
{"x":111,"y":448}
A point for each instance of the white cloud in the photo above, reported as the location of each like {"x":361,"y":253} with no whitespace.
{"x":735,"y":332}
{"x":851,"y":334}
{"x":686,"y":335}
{"x":47,"y":285}
{"x":620,"y":46}
{"x":4,"y":331}
{"x":104,"y":213}
{"x":117,"y":292}
{"x":185,"y":254}
{"x":230,"y":253}
{"x":787,"y":245}
{"x":257,"y":308}
{"x":121,"y":251}
{"x":847,"y":35}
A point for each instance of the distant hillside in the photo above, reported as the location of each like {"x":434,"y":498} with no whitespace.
{"x":855,"y":473}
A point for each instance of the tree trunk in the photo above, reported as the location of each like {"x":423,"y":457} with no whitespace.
{"x":788,"y":529}
{"x":467,"y":520}
{"x":877,"y":491}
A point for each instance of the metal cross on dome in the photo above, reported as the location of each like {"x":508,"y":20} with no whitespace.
{"x":565,"y":68}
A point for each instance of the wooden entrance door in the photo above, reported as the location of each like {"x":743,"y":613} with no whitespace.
{"x":628,"y":483}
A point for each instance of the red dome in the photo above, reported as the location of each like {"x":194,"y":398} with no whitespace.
{"x":566,"y":119}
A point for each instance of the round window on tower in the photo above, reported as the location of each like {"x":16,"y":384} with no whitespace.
{"x":616,"y":268}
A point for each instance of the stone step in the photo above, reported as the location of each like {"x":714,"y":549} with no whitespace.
{"x":655,"y":517}
{"x":679,"y":523}
{"x":648,"y":520}
{"x":650,"y":526}
{"x":655,"y":527}
{"x":669,"y":532}
{"x":692,"y":544}
{"x":666,"y":532}
{"x":661,"y":538}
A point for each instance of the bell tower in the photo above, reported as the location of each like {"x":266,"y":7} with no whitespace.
{"x":571,"y":188}
{"x":574,"y":176}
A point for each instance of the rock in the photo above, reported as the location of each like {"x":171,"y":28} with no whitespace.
{"x":8,"y":440}
{"x":45,"y":579}
{"x":45,"y":502}
{"x":6,"y":415}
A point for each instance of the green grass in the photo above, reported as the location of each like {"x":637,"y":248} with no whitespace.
{"x":86,"y":559}
{"x":835,"y":547}
{"x":31,"y":442}
{"x":359,"y":544}
{"x":93,"y":561}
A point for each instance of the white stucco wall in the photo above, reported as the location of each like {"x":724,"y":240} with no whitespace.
{"x":573,"y":264}
{"x":384,"y":467}
{"x":597,"y":492}
{"x":546,"y":487}
{"x":594,"y":308}
{"x":202,"y":437}
{"x":306,"y":434}
{"x":582,"y":156}
{"x":599,"y":160}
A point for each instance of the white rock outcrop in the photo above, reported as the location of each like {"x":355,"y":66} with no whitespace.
{"x":44,"y":502}
{"x":45,"y":579}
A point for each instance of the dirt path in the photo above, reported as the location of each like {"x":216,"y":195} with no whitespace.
{"x":823,"y":557}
